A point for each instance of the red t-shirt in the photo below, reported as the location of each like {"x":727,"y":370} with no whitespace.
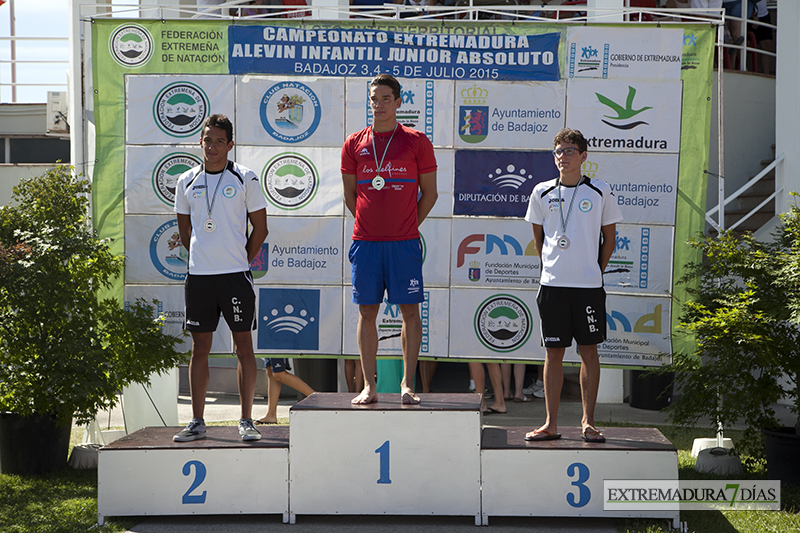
{"x":388,"y":214}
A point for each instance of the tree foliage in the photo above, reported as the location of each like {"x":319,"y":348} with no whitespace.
{"x":63,"y":350}
{"x":744,"y":314}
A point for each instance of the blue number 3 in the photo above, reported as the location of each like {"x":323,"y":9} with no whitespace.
{"x":584,"y":494}
{"x":199,"y":477}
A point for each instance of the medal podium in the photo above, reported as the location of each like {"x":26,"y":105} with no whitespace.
{"x":379,"y":459}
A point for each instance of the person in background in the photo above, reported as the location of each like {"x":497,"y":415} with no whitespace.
{"x":278,"y":375}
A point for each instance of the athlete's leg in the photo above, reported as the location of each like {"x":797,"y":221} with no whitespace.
{"x":198,"y":371}
{"x":411,"y":338}
{"x":368,"y":349}
{"x":590,"y":382}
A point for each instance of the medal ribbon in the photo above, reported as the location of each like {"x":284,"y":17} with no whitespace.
{"x":565,"y":223}
{"x":210,"y":208}
{"x":378,"y":166}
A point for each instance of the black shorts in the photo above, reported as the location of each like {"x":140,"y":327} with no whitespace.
{"x":572,"y":313}
{"x":231,"y":295}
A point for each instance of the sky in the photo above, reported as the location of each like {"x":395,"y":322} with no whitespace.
{"x":37,"y":18}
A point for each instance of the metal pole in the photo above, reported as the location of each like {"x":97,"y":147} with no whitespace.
{"x":13,"y":51}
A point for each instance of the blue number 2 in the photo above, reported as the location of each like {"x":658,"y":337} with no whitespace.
{"x":384,"y":453}
{"x":584,"y":494}
{"x":199,"y":477}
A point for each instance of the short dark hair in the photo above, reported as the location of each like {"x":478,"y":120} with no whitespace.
{"x":567,"y":135}
{"x":388,"y":80}
{"x":222,"y":122}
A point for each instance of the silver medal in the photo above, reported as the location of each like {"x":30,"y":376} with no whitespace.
{"x":563,"y":242}
{"x":378,"y":182}
{"x":209,"y":225}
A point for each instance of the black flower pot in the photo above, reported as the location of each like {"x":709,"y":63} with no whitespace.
{"x":782,"y":447}
{"x":32,"y":444}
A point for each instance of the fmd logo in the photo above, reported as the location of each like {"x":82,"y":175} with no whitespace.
{"x":503,"y":245}
{"x":647,"y":323}
{"x":290,"y":181}
{"x":503,"y":323}
{"x":622,"y":120}
{"x":131,"y":45}
{"x":473,"y":115}
{"x":167,"y":172}
{"x":288,"y":319}
{"x":180,"y":109}
{"x":290,"y":112}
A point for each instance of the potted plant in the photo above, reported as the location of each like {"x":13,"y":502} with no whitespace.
{"x":744,"y":313}
{"x":64,"y":352}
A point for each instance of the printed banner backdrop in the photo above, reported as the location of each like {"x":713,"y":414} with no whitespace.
{"x":647,"y":123}
{"x":495,"y":324}
{"x":171,"y":305}
{"x":153,"y":250}
{"x":594,"y":52}
{"x":638,"y":331}
{"x":297,"y":180}
{"x":644,"y":185}
{"x":427,"y":107}
{"x":498,"y":183}
{"x":494,"y":253}
{"x":151,"y":173}
{"x":299,"y":319}
{"x":641,"y":262}
{"x":366,"y":52}
{"x":519,"y":115}
{"x":435,"y":327}
{"x":172,"y":109}
{"x":626,"y":116}
{"x":301,"y":249}
{"x":301,"y":111}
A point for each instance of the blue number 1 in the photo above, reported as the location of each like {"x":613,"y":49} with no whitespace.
{"x":199,"y":477}
{"x":384,"y":452}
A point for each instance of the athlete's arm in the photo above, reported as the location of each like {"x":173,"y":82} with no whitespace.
{"x":609,"y":244}
{"x":538,"y":238}
{"x":349,"y":183}
{"x":427,"y":186}
{"x":185,"y":229}
{"x":258,"y":219}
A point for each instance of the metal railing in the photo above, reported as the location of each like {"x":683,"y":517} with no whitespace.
{"x":777,"y":165}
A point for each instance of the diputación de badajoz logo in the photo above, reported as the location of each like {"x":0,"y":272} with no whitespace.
{"x":167,"y":172}
{"x":503,"y":323}
{"x":289,"y":181}
{"x":180,"y":109}
{"x":131,"y":45}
